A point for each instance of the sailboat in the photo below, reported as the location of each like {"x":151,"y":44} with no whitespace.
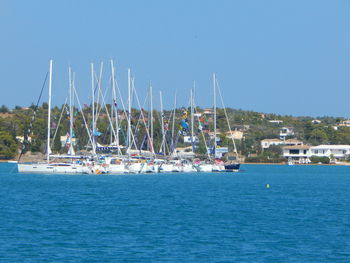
{"x":129,"y":163}
{"x":187,"y":165}
{"x":215,"y":164}
{"x":51,"y":167}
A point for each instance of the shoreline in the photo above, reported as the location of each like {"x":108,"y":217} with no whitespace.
{"x":39,"y":157}
{"x":330,"y":164}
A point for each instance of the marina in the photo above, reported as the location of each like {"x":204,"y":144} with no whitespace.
{"x":123,"y":161}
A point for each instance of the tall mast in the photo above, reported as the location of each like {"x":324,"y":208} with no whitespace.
{"x":99,"y":94}
{"x":129,"y":113}
{"x":151,"y":98}
{"x":112,"y":112}
{"x":214,"y":87}
{"x":149,"y":117}
{"x":112,"y":104}
{"x":93,"y":108}
{"x":115,"y":105}
{"x":162,"y":120}
{"x":100,"y":98}
{"x":173,"y":126}
{"x":192,"y":119}
{"x":71,"y":149}
{"x":48,"y":149}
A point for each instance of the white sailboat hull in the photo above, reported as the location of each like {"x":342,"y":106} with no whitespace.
{"x":218,"y":168}
{"x":117,"y":169}
{"x":205,"y":168}
{"x":170,"y":168}
{"x":209,"y":168}
{"x":189,"y":168}
{"x":56,"y":168}
{"x":135,"y":168}
{"x":150,"y":168}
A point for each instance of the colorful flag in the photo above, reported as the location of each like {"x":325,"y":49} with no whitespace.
{"x":97,"y":133}
{"x":184,"y":124}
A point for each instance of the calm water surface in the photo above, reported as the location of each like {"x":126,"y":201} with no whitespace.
{"x":303,"y":217}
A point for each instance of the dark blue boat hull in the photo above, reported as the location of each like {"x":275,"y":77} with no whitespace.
{"x":232,"y":167}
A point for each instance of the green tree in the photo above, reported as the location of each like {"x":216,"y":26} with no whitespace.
{"x":57,"y":142}
{"x":4,"y":109}
{"x":36,"y":145}
{"x":8,"y":146}
{"x":274,"y":151}
{"x":319,"y":136}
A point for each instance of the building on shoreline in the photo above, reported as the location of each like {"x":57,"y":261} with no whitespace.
{"x":303,"y":153}
{"x":331,"y":151}
{"x":297,"y":153}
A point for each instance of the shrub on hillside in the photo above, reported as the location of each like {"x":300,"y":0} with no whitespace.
{"x":317,"y":159}
{"x":263,"y":159}
{"x":8,"y":146}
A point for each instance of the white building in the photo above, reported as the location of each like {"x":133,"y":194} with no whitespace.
{"x":237,"y":135}
{"x":336,"y":151}
{"x":276,"y":121}
{"x":208,"y":111}
{"x":291,"y":142}
{"x":297,"y":153}
{"x":345,"y":123}
{"x":266,"y":143}
{"x":286,"y":131}
{"x":302,"y":153}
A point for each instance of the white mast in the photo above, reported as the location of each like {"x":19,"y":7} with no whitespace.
{"x":129,"y":113}
{"x":93,"y":109}
{"x":48,"y":149}
{"x":214,"y":86}
{"x":151,"y":97}
{"x":115,"y":106}
{"x":99,"y":94}
{"x":100,"y":98}
{"x":149,"y":117}
{"x":71,"y":149}
{"x":112,"y":109}
{"x":162,"y":147}
{"x":173,"y":126}
{"x":192,"y":119}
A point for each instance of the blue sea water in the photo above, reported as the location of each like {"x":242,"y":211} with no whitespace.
{"x":303,"y":217}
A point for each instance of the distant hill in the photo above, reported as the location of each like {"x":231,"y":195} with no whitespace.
{"x":255,"y":126}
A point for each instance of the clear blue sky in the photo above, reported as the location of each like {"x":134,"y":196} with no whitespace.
{"x":286,"y":57}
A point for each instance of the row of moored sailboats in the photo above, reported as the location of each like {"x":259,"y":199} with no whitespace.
{"x":121,"y":160}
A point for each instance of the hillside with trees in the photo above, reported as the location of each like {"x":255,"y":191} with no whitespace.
{"x":254,"y":125}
